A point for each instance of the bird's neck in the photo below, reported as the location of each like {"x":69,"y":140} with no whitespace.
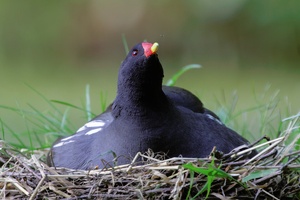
{"x":139,"y":100}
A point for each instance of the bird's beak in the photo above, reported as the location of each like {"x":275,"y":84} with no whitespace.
{"x":154,"y":48}
{"x":149,"y":48}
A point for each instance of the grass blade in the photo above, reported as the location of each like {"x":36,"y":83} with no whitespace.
{"x":103,"y":100}
{"x":20,"y":142}
{"x":88,"y":102}
{"x":174,"y":78}
{"x":47,"y":100}
{"x":67,"y":104}
{"x":192,"y":175}
{"x":125,"y":44}
{"x":2,"y":128}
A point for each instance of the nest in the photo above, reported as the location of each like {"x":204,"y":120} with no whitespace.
{"x":274,"y":173}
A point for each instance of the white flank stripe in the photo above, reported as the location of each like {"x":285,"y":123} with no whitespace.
{"x":92,"y":124}
{"x":96,"y":123}
{"x":93,"y":131}
{"x":67,"y":138}
{"x":63,"y":143}
{"x":81,"y":129}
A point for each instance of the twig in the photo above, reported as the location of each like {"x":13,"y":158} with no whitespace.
{"x":270,"y":194}
{"x":275,"y":143}
{"x":37,"y":163}
{"x":16,"y":184}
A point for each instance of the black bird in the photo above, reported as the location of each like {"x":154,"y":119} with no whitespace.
{"x":144,"y":115}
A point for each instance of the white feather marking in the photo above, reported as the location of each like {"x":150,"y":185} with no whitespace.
{"x":93,"y":131}
{"x":95,"y":123}
{"x":92,"y":124}
{"x":63,"y":143}
{"x":213,"y":118}
{"x":67,"y":138}
{"x":81,"y":129}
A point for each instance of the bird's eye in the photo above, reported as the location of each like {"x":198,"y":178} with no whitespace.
{"x":135,"y":52}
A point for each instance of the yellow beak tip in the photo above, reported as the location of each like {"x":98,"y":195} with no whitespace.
{"x":154,"y":47}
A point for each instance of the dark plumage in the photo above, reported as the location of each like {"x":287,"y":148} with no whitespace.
{"x":144,"y":115}
{"x":182,"y":97}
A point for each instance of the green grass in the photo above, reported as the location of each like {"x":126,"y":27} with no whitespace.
{"x":174,"y":78}
{"x":211,"y":172}
{"x":44,"y":127}
{"x":264,"y":117}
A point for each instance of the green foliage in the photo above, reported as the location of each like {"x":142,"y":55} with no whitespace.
{"x":275,"y":27}
{"x":294,"y":139}
{"x":103,"y":101}
{"x":42,"y":128}
{"x":125,"y":44}
{"x":258,"y":174}
{"x":263,"y":118}
{"x":88,"y":102}
{"x":186,"y":68}
{"x":211,"y":172}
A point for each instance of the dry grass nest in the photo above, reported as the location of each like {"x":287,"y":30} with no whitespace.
{"x":274,"y":173}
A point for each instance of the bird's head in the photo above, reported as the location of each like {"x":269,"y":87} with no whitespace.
{"x":141,"y":68}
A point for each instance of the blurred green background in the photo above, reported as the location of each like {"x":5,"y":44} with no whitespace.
{"x":58,"y":47}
